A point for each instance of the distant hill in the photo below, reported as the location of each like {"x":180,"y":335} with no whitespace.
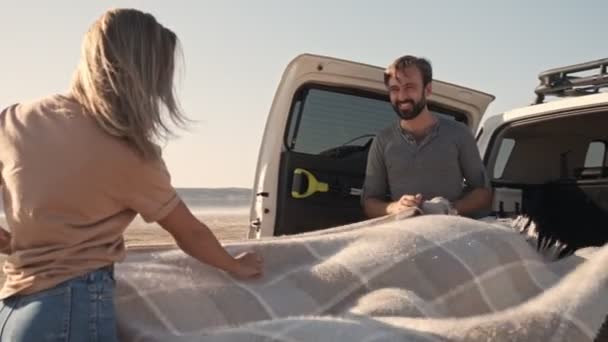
{"x":216,"y":197}
{"x":207,"y":197}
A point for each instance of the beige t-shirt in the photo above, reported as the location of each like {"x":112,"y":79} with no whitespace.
{"x":69,"y":191}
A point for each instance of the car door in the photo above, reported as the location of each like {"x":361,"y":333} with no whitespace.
{"x":312,"y":159}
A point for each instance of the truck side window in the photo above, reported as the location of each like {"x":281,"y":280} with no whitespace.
{"x":504,"y":152}
{"x":596,"y":154}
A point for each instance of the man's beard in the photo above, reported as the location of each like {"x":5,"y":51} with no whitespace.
{"x":416,"y":108}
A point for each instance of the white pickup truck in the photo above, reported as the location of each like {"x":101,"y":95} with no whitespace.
{"x":545,"y":159}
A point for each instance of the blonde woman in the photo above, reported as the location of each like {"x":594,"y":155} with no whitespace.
{"x":77,"y":168}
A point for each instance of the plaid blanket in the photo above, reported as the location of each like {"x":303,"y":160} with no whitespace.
{"x":424,"y":278}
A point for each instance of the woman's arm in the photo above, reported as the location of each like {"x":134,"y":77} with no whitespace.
{"x":5,"y":241}
{"x":198,"y":241}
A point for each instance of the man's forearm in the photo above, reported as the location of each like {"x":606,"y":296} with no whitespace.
{"x":475,"y":201}
{"x":374,"y":207}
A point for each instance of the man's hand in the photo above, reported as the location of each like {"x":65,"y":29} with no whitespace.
{"x":375,"y":207}
{"x":475,"y":202}
{"x":405,"y":202}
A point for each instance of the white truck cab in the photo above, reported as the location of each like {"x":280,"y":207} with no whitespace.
{"x":548,"y":160}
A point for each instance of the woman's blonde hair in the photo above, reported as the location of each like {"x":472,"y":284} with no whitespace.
{"x":125,"y":78}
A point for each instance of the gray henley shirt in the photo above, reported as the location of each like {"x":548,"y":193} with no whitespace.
{"x":436,"y":166}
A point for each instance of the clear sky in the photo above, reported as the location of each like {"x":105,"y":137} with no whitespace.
{"x":235,"y":53}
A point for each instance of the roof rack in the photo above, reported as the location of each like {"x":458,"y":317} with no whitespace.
{"x":561,"y":82}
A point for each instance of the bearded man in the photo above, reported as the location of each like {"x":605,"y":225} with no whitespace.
{"x":423,"y":155}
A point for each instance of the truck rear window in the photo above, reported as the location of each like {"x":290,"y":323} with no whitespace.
{"x":323,"y":118}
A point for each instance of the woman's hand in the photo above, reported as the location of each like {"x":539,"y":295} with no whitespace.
{"x":198,"y":241}
{"x":250,"y":265}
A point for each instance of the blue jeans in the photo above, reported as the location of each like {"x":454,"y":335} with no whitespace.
{"x":80,"y":309}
